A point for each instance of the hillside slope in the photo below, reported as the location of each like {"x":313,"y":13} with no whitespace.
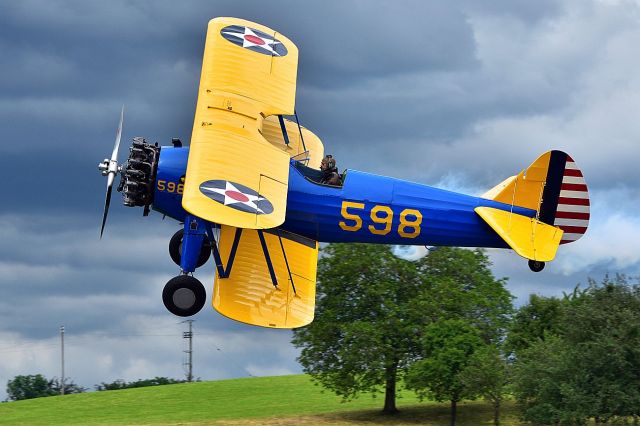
{"x":188,"y":402}
{"x":280,"y":400}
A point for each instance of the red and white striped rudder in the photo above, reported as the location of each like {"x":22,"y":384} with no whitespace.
{"x":572,"y":213}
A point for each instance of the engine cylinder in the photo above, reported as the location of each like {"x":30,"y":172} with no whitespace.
{"x":139,"y":173}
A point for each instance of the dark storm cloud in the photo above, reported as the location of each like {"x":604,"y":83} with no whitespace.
{"x":68,"y":66}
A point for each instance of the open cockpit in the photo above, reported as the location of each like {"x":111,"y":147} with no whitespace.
{"x":315,"y":175}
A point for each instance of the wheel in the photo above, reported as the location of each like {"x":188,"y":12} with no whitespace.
{"x":175,"y":249}
{"x":184,"y":296}
{"x":536,"y":266}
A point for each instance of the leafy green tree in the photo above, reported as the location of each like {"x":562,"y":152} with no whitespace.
{"x":546,"y":385}
{"x":533,"y":321}
{"x":591,"y":368}
{"x":447,"y":349}
{"x":487,"y":375}
{"x":121,"y":384}
{"x":458,"y":284}
{"x":69,"y":386}
{"x":364,"y":332}
{"x":603,"y":331}
{"x":28,"y":387}
{"x":37,"y":386}
{"x":372,"y":310}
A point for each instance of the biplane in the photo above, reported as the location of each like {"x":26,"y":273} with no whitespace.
{"x":247,"y":191}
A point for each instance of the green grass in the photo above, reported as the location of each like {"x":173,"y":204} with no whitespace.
{"x":282,"y":399}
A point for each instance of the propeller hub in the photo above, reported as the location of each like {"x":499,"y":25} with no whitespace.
{"x":113,"y":167}
{"x":109,"y":166}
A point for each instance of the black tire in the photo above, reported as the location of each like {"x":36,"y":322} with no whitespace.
{"x":184,"y":296}
{"x":536,"y":266}
{"x":175,"y":249}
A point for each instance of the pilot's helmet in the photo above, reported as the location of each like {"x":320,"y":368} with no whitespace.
{"x":328,"y":162}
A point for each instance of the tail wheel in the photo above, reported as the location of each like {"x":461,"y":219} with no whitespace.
{"x":175,"y":249}
{"x":184,"y":296}
{"x":536,"y":266}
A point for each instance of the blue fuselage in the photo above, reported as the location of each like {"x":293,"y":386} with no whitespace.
{"x":367,"y":208}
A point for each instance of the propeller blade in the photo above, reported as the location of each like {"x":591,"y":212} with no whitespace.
{"x":109,"y":168}
{"x":107,"y":201}
{"x":114,"y":154}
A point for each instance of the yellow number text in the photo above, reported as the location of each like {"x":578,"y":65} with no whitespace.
{"x":172,"y":187}
{"x":353,"y":217}
{"x":385,"y":218}
{"x":406,"y":223}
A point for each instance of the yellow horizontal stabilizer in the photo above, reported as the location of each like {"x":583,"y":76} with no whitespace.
{"x":248,"y":294}
{"x":234,"y":175}
{"x":527,"y":236}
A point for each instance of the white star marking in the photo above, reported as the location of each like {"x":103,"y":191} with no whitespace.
{"x":228,"y":200}
{"x":269,"y":44}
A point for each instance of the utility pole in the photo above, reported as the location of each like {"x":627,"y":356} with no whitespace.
{"x":62,"y":359}
{"x":189,"y":335}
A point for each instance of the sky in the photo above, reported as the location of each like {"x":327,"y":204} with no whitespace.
{"x":455,"y":94}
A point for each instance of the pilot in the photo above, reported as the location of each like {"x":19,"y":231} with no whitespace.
{"x":329,"y":170}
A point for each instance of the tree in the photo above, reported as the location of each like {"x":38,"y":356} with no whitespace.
{"x":591,"y":367}
{"x":121,"y":384}
{"x":28,"y":387}
{"x":532,"y":322}
{"x":458,"y":284}
{"x":603,"y":332}
{"x":372,"y":310}
{"x":365,"y":328}
{"x":487,"y":375}
{"x":37,"y":385}
{"x":447,"y":348}
{"x":69,"y":386}
{"x":547,"y":388}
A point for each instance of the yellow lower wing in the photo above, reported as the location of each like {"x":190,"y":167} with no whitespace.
{"x":527,"y":236}
{"x":248,"y":294}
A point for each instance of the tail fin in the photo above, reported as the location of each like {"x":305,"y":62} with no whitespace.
{"x":555,"y":188}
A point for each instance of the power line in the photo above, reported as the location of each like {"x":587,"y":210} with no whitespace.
{"x":34,"y":345}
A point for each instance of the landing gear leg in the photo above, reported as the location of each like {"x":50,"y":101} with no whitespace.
{"x":184,"y":295}
{"x":536,"y":266}
{"x":175,"y":249}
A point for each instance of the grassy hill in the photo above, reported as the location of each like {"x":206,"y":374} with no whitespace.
{"x":282,"y":400}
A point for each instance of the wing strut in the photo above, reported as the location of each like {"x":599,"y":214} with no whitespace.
{"x":265,"y":250}
{"x":285,"y":135}
{"x":286,"y":262}
{"x":222,"y":271}
{"x":295,"y":113}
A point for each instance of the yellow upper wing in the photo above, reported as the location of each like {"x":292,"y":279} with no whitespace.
{"x":234,"y":175}
{"x":248,"y":294}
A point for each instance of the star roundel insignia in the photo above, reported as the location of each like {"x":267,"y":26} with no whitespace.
{"x":236,"y":196}
{"x":253,"y":39}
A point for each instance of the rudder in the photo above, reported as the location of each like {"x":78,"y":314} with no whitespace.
{"x":553,"y":186}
